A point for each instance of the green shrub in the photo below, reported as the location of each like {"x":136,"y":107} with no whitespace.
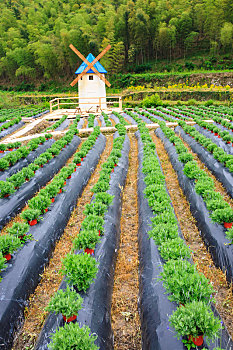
{"x":30,"y":214}
{"x":4,"y":164}
{"x":2,"y":263}
{"x":104,"y":198}
{"x":68,"y":302}
{"x":86,"y":239}
{"x":185,"y":286}
{"x":194,"y":319}
{"x":222,"y":215}
{"x":162,"y":232}
{"x":39,"y":202}
{"x":214,"y":204}
{"x":203,"y":184}
{"x":80,"y":270}
{"x":93,"y":223}
{"x":95,"y":208}
{"x":100,"y":186}
{"x":8,"y":244}
{"x":6,"y":188}
{"x":185,"y":157}
{"x":152,"y":101}
{"x":192,"y":170}
{"x":174,"y":249}
{"x":72,"y":336}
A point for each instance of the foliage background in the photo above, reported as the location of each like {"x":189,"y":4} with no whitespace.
{"x":35,"y":35}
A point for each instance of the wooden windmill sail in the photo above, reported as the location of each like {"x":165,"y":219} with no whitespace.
{"x":91,"y":80}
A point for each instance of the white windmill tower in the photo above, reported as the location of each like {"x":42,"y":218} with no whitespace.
{"x":91,"y":82}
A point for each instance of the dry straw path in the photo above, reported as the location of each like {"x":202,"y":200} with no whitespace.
{"x":125,"y":317}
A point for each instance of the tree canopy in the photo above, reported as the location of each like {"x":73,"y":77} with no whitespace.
{"x":35,"y":35}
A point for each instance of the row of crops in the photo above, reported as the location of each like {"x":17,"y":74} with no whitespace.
{"x":40,"y":182}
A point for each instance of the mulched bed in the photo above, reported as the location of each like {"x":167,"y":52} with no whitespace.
{"x":224,"y":297}
{"x":35,"y":314}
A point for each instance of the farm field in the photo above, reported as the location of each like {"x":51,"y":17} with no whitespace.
{"x":116,"y":229}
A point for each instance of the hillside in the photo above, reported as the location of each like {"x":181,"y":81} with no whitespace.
{"x":145,"y":35}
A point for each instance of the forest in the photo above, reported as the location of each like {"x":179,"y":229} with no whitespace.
{"x":35,"y":35}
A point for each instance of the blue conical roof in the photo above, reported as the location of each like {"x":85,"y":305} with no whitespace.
{"x":97,"y":66}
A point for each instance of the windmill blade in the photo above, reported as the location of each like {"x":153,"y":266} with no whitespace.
{"x":90,"y":65}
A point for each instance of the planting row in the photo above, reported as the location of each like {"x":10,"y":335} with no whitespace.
{"x":20,"y":187}
{"x":23,"y":271}
{"x":85,"y":294}
{"x":58,"y":123}
{"x":22,"y":151}
{"x":20,"y":112}
{"x":213,"y":214}
{"x":221,"y":131}
{"x":215,"y":158}
{"x":10,"y":126}
{"x":165,"y":268}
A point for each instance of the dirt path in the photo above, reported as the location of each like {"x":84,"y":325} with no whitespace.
{"x":205,"y":264}
{"x":35,"y":314}
{"x":125,"y":317}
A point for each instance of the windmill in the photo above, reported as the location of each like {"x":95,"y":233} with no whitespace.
{"x":91,"y":81}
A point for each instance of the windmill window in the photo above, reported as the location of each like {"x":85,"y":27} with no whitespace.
{"x":90,"y":77}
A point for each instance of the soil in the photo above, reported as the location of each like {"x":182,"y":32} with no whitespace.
{"x":200,"y":255}
{"x":39,"y":128}
{"x":35,"y":313}
{"x":113,"y":122}
{"x":125,"y":316}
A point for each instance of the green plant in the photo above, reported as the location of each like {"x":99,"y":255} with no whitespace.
{"x":72,"y":336}
{"x":95,"y":208}
{"x":30,"y":214}
{"x":17,"y":179}
{"x":185,"y":157}
{"x":2,"y":263}
{"x":68,"y":302}
{"x":100,"y":186}
{"x":80,"y":270}
{"x":165,"y":217}
{"x":2,"y":147}
{"x":4,"y":164}
{"x":192,"y":170}
{"x":93,"y":223}
{"x":8,"y":244}
{"x":104,"y":198}
{"x":222,"y":215}
{"x":162,"y":232}
{"x":214,"y":204}
{"x":11,"y":158}
{"x":203,"y":184}
{"x":48,"y":136}
{"x":174,"y":249}
{"x":39,"y":202}
{"x":6,"y":188}
{"x":185,"y":284}
{"x":153,"y":100}
{"x":229,"y":234}
{"x":20,"y":230}
{"x":195,"y":319}
{"x":86,"y":239}
{"x":27,"y":172}
{"x":23,"y":152}
{"x":52,"y":189}
{"x":40,"y":160}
